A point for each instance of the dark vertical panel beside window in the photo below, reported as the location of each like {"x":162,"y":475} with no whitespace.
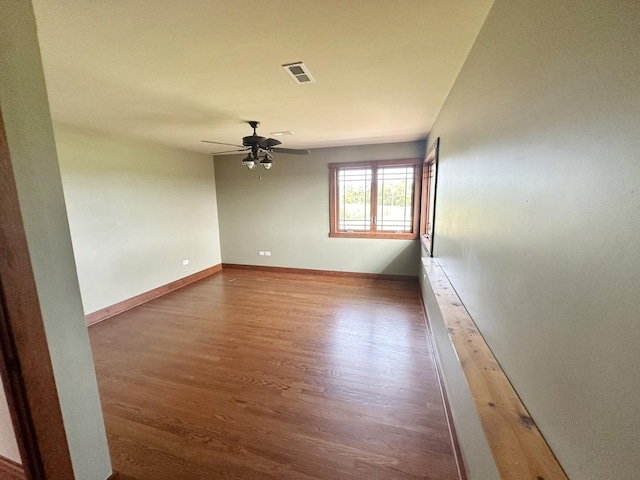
{"x":428,"y":203}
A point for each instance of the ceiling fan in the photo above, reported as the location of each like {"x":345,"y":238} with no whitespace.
{"x":260,"y":149}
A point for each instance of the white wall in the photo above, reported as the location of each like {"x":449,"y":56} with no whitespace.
{"x":286,"y":211}
{"x":136,"y":211}
{"x":35,"y":167}
{"x":8,"y":442}
{"x":539,"y":217}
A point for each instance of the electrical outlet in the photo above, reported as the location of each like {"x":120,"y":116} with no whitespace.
{"x":185,"y":261}
{"x":267,"y":254}
{"x":261,"y":254}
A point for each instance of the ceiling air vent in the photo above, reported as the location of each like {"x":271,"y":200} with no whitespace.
{"x":299,"y":72}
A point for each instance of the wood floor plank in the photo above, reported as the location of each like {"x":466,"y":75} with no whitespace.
{"x":263,"y":375}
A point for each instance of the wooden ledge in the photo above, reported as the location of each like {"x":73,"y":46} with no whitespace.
{"x":517,"y":445}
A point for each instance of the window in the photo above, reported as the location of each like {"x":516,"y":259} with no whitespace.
{"x":374,"y":199}
{"x":428,"y":204}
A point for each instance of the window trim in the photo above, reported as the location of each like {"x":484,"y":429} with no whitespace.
{"x":334,"y":232}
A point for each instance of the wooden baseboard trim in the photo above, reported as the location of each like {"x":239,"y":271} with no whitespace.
{"x":518,"y":447}
{"x":10,"y":470}
{"x":463,"y":473}
{"x":110,"y":311}
{"x":325,"y":273}
{"x":128,"y":304}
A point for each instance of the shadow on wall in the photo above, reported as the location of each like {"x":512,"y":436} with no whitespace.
{"x":406,"y":262}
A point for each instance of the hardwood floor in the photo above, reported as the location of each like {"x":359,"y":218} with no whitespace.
{"x":257,"y":375}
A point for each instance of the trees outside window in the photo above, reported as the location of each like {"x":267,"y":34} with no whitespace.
{"x":377,"y":199}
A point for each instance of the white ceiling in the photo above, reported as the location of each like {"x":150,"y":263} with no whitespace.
{"x":175,"y":72}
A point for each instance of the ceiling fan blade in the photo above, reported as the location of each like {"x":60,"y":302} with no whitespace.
{"x":230,"y":151}
{"x":293,"y":151}
{"x":220,"y":143}
{"x":269,"y":143}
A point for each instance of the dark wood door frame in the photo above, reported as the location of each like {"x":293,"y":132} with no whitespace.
{"x":25,"y":363}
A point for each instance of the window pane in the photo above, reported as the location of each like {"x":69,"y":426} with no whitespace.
{"x":354,"y":199}
{"x":395,"y":199}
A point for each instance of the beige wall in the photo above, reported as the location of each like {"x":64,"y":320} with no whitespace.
{"x":136,"y":211}
{"x":8,"y":442}
{"x":37,"y":177}
{"x":286,"y":211}
{"x":539,"y":217}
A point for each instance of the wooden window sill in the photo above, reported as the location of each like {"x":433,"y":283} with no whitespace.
{"x":381,"y":236}
{"x":518,"y":448}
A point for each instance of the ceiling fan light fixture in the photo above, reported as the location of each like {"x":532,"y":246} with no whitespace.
{"x":249,"y":162}
{"x":267,"y":162}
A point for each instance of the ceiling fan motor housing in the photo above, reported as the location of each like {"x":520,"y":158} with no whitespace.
{"x":251,"y":140}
